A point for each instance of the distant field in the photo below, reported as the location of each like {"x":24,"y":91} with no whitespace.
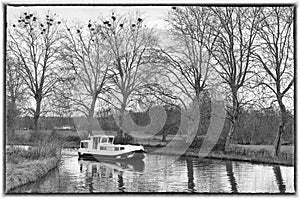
{"x":155,"y":140}
{"x":288,"y":149}
{"x":65,"y":133}
{"x":26,"y":133}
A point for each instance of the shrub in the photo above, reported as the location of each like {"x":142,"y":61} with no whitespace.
{"x":50,"y":146}
{"x":47,"y":146}
{"x":197,"y":142}
{"x":72,"y":139}
{"x":220,"y":145}
{"x":14,"y":159}
{"x":16,"y":155}
{"x":127,"y":139}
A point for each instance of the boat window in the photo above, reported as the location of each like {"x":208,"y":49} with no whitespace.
{"x":95,"y":143}
{"x":102,"y":148}
{"x":122,"y":148}
{"x":104,"y":140}
{"x":117,"y":148}
{"x":84,"y":145}
{"x":110,"y":140}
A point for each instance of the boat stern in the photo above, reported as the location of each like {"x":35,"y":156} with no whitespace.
{"x":138,"y":149}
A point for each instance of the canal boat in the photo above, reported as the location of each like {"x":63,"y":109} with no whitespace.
{"x":102,"y":147}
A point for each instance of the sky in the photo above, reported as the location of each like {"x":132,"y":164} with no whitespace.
{"x":154,"y":15}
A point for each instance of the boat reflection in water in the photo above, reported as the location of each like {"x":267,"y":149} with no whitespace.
{"x":95,"y":170}
{"x":93,"y":165}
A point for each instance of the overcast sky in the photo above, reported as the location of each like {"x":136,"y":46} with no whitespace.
{"x":154,"y":15}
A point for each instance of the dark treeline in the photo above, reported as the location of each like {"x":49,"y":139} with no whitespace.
{"x":254,"y":127}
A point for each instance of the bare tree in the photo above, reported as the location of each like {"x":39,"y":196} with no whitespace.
{"x":15,"y":91}
{"x":186,"y":59}
{"x":129,"y":43}
{"x":236,"y":32}
{"x":187,"y":62}
{"x":34,"y":41}
{"x":276,"y":58}
{"x":87,"y":61}
{"x":61,"y":100}
{"x":155,"y":94}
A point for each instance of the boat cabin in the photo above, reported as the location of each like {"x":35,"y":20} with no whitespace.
{"x":100,"y":142}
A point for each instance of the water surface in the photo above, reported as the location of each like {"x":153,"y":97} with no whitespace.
{"x":162,"y":173}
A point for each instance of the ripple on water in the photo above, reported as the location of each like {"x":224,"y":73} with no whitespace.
{"x":159,"y":173}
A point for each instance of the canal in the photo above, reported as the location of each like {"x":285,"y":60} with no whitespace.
{"x":162,"y":173}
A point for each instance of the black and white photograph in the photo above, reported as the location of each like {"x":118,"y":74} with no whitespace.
{"x":127,"y":99}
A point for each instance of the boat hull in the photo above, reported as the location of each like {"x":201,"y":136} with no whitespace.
{"x":133,"y":155}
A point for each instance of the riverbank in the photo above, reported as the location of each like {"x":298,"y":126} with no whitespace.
{"x":247,"y":153}
{"x":68,"y":144}
{"x":27,"y":164}
{"x":28,"y":171}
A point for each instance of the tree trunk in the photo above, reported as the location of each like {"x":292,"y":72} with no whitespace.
{"x":233,"y":121}
{"x":122,"y":112}
{"x":199,"y":109}
{"x":280,"y":132}
{"x":90,"y":127}
{"x":230,"y":136}
{"x":11,"y":114}
{"x":164,"y":136}
{"x":277,"y":142}
{"x":37,"y":114}
{"x":91,"y":116}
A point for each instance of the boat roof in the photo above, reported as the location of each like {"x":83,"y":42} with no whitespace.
{"x":108,"y":136}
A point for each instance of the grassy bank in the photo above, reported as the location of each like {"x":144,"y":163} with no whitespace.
{"x":65,"y":144}
{"x":27,"y":165}
{"x":68,"y":139}
{"x":29,"y":171}
{"x":248,"y":153}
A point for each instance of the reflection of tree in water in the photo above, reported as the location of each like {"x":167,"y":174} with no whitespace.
{"x":145,"y":181}
{"x":279,"y":179}
{"x":190,"y":174}
{"x":89,"y":178}
{"x":108,"y":175}
{"x":97,"y":177}
{"x":91,"y":172}
{"x":121,"y":182}
{"x":209,"y":175}
{"x":230,"y":174}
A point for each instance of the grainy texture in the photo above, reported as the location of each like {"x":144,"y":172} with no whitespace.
{"x":249,"y":153}
{"x":29,"y":171}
